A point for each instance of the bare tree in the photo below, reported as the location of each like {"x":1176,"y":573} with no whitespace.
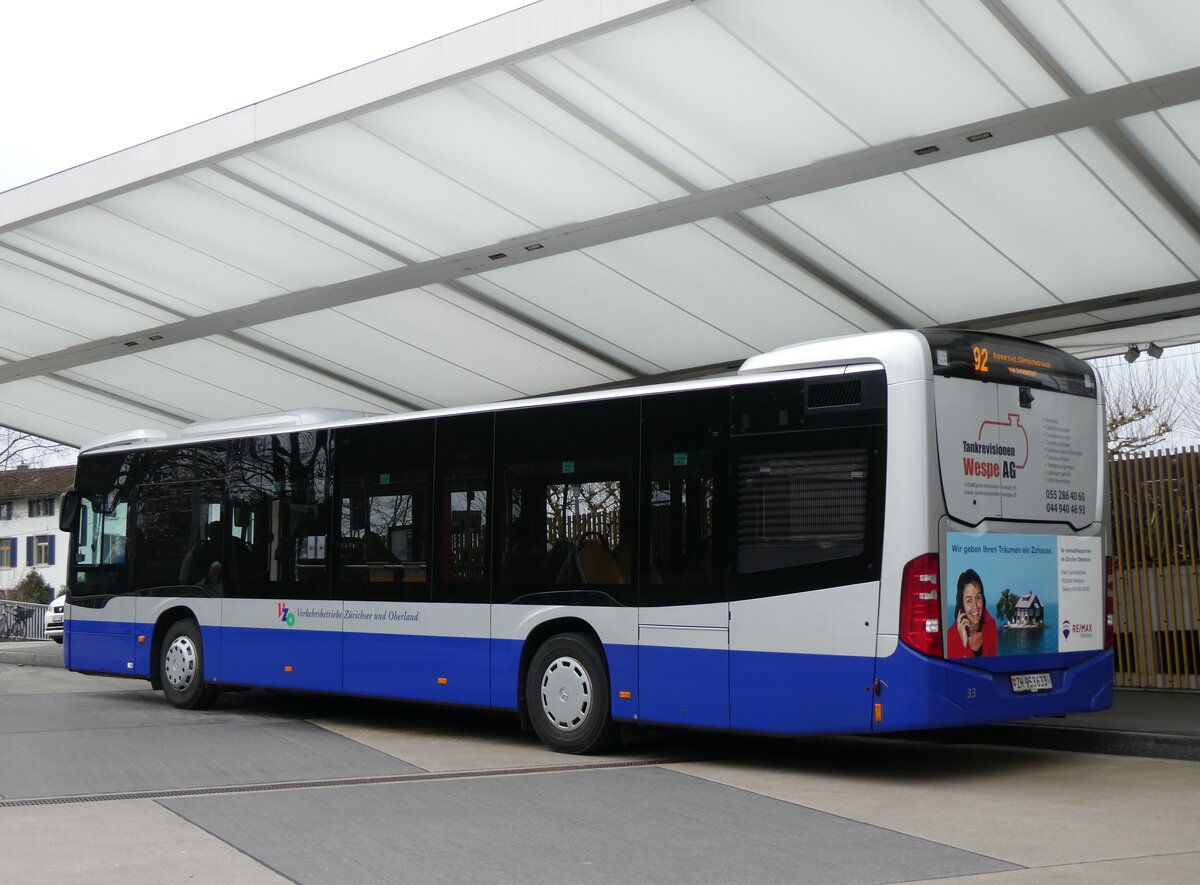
{"x":1150,"y":402}
{"x":19,"y":449}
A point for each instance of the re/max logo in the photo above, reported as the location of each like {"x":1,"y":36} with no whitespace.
{"x":286,"y":615}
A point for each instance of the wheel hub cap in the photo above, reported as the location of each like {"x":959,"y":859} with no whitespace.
{"x":179,"y":663}
{"x":566,"y":693}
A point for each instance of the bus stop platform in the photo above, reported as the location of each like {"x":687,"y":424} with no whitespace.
{"x":1161,"y":724}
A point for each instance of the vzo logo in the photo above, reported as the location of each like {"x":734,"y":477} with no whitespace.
{"x":286,"y":615}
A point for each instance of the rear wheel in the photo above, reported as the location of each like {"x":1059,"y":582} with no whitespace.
{"x":181,"y":668}
{"x":567,"y":695}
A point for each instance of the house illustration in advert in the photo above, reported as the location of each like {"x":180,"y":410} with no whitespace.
{"x":1030,"y":613}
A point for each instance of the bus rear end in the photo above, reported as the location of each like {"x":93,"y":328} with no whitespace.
{"x":1008,"y":614}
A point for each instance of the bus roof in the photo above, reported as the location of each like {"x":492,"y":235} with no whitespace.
{"x":904,"y":355}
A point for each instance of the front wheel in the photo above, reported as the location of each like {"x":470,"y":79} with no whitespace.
{"x":181,"y":668}
{"x":567,"y":695}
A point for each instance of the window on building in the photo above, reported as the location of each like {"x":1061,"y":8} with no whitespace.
{"x":41,"y":550}
{"x":5,"y":509}
{"x":8,"y":552}
{"x":41,"y":506}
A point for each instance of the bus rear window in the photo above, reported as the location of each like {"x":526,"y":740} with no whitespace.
{"x":800,"y":508}
{"x":959,"y":353}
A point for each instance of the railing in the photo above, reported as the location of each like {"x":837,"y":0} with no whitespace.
{"x":1156,"y":552}
{"x":20,"y":621}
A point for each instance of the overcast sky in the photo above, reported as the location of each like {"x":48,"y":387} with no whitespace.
{"x":84,"y":78}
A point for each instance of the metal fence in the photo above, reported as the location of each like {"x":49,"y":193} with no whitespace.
{"x":1156,"y":546}
{"x":20,"y":621}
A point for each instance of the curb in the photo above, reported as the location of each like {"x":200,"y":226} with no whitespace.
{"x":1113,"y":742}
{"x":31,"y":658}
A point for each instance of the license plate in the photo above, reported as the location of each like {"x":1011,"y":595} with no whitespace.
{"x":1026,"y":682}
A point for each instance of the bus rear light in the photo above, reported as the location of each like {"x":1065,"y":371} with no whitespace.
{"x":1110,"y":621}
{"x":921,"y":606}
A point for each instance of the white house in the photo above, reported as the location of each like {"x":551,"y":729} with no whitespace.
{"x":30,"y":502}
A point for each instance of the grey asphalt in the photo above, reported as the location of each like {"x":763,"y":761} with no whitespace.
{"x":1162,"y":724}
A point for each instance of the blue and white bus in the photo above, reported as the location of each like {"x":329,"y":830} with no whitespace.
{"x":898,"y":530}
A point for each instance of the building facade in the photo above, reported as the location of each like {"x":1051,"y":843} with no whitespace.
{"x":30,"y":503}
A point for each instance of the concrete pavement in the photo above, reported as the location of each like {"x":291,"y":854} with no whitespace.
{"x":103,"y":781}
{"x":1161,"y":724}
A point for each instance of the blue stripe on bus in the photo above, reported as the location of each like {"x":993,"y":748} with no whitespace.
{"x":766,"y":692}
{"x":788,"y":693}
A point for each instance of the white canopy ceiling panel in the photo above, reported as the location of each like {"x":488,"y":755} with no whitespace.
{"x":1043,"y":209}
{"x":1171,"y":138}
{"x":601,"y":301}
{"x":781,"y":222}
{"x":982,"y":34}
{"x":129,"y":256}
{"x":425,"y":377}
{"x":1104,"y":43}
{"x":56,"y":409}
{"x":895,"y":230}
{"x":77,"y":307}
{"x":706,"y":276}
{"x":228,"y":365}
{"x":524,"y":366}
{"x":138,"y":380}
{"x":326,"y":202}
{"x":527,"y":290}
{"x":237,"y":234}
{"x":907,"y":73}
{"x":349,"y":251}
{"x":33,"y":336}
{"x":1143,"y":203}
{"x":586,"y":191}
{"x":578,"y":173}
{"x":529,"y":322}
{"x":724,"y":112}
{"x":110,"y":286}
{"x":378,"y":181}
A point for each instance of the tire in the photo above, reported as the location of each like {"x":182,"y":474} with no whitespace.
{"x":567,"y":695}
{"x":57,"y":639}
{"x":181,"y":667}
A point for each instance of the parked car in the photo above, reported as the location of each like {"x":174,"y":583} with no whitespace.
{"x":54,"y":618}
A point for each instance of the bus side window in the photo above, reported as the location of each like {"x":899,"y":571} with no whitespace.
{"x":384,"y":492}
{"x":279,"y":495}
{"x":464,"y":456}
{"x":684,"y":441}
{"x":566,"y":479}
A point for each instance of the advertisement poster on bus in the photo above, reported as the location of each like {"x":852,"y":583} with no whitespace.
{"x":1022,"y":594}
{"x":1004,"y":457}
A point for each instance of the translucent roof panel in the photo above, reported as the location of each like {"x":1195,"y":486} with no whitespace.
{"x":584,"y":192}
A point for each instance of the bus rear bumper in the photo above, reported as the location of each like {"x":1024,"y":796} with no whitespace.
{"x":916,"y":692}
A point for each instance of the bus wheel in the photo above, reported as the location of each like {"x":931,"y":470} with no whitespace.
{"x":181,"y":668}
{"x":566,"y":694}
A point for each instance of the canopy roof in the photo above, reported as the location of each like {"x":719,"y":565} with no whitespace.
{"x":577,"y":193}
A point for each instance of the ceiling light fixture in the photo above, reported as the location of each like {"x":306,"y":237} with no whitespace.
{"x":1132,"y":354}
{"x":1155,"y":350}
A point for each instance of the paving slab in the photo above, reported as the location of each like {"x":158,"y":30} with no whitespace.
{"x":1029,"y":807}
{"x":82,"y":744}
{"x":627,"y":825}
{"x":118,"y":844}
